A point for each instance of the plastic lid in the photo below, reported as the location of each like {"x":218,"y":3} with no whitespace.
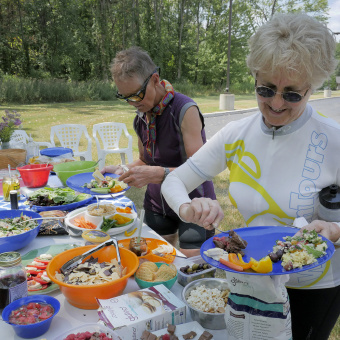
{"x":330,"y":197}
{"x":10,"y":259}
{"x":55,"y":152}
{"x":95,"y":236}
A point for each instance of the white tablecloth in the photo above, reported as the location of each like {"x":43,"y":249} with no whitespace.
{"x":69,"y":316}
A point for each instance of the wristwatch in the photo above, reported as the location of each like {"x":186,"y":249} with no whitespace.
{"x":166,"y":173}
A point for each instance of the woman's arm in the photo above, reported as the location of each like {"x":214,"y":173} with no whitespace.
{"x":140,"y":174}
{"x":202,"y":211}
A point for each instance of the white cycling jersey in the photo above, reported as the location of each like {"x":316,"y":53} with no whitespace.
{"x":275,"y":176}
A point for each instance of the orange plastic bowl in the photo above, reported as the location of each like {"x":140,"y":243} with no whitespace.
{"x":35,"y":175}
{"x":84,"y":297}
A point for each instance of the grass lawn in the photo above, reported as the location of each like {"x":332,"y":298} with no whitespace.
{"x":38,"y":119}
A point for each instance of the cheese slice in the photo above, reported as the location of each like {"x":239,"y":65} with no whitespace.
{"x":98,"y":176}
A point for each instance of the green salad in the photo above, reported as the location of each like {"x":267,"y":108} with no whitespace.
{"x":55,"y":196}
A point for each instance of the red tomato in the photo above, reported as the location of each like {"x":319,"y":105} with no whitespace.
{"x":33,"y":312}
{"x":45,"y":315}
{"x":47,"y":308}
{"x":31,"y":305}
{"x":41,"y":281}
{"x":42,"y":261}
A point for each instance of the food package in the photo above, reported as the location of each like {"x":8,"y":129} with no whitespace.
{"x":151,"y":309}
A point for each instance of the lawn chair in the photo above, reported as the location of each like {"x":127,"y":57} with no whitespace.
{"x":110,"y":134}
{"x":20,"y":139}
{"x":69,"y":136}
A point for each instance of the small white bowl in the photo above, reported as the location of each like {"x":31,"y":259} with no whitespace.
{"x":97,"y":220}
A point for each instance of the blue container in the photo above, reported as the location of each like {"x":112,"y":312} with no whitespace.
{"x":36,"y":329}
{"x":15,"y":242}
{"x":55,"y":152}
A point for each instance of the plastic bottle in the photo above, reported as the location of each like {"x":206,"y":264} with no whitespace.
{"x":329,"y":208}
{"x":13,"y":280}
{"x":32,"y":149}
{"x":14,"y":199}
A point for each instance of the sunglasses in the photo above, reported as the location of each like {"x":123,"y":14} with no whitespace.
{"x":138,"y":96}
{"x":289,"y":96}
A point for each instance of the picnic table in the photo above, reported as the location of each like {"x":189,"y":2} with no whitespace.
{"x":69,"y":316}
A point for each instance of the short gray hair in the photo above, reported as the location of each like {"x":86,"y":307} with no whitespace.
{"x":132,"y":62}
{"x":295,"y":43}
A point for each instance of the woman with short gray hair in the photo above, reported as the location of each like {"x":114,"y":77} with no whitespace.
{"x":279,"y":159}
{"x":169,"y":128}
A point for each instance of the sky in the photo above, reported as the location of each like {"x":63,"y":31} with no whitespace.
{"x":334,"y":20}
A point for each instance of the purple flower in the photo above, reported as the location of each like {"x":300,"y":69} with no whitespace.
{"x":9,"y":123}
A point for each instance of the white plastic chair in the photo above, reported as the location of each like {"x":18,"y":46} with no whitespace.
{"x":110,"y":134}
{"x":20,"y":137}
{"x":69,"y":136}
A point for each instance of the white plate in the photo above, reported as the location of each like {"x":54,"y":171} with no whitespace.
{"x":90,"y":327}
{"x":184,"y":328}
{"x":81,"y":213}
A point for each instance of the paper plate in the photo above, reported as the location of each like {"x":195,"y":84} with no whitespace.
{"x":76,"y":182}
{"x":53,"y":250}
{"x":260,"y":243}
{"x":152,"y":243}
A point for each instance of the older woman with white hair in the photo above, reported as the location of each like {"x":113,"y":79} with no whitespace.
{"x":279,"y":159}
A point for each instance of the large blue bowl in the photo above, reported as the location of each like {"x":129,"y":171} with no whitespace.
{"x":16,"y":242}
{"x":36,"y":329}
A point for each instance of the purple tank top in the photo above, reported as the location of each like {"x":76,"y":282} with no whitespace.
{"x":168,"y":150}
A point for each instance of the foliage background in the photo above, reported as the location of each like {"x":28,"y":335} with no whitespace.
{"x":74,"y":41}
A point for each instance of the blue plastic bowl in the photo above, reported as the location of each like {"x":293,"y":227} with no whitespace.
{"x":16,"y":242}
{"x":36,"y":329}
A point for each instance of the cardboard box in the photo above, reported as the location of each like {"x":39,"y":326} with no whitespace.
{"x":151,"y":309}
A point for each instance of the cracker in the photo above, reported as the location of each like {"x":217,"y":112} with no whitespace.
{"x":144,"y":274}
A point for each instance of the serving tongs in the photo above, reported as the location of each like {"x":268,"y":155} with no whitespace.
{"x":69,"y":265}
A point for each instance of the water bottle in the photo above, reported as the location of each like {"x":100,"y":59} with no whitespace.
{"x":32,"y":149}
{"x":329,"y":208}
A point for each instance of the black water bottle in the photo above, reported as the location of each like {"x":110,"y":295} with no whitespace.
{"x":14,"y":199}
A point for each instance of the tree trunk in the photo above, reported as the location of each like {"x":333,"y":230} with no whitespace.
{"x":197,"y":40}
{"x":180,"y":33}
{"x":27,"y":65}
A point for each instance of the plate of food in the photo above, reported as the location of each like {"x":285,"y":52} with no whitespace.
{"x":112,"y":218}
{"x":94,"y":183}
{"x":56,"y":199}
{"x":298,"y":253}
{"x":36,"y":262}
{"x":156,"y":250}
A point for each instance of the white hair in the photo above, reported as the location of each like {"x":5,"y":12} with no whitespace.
{"x":295,"y":43}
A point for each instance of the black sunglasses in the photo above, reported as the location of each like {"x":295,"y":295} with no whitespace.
{"x":138,"y":96}
{"x":289,"y":96}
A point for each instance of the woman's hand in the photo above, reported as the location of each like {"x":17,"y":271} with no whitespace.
{"x":113,"y":169}
{"x":139,"y":176}
{"x":329,"y":230}
{"x":205,"y":212}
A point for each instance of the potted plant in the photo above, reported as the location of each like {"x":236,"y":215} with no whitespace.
{"x":9,"y":123}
